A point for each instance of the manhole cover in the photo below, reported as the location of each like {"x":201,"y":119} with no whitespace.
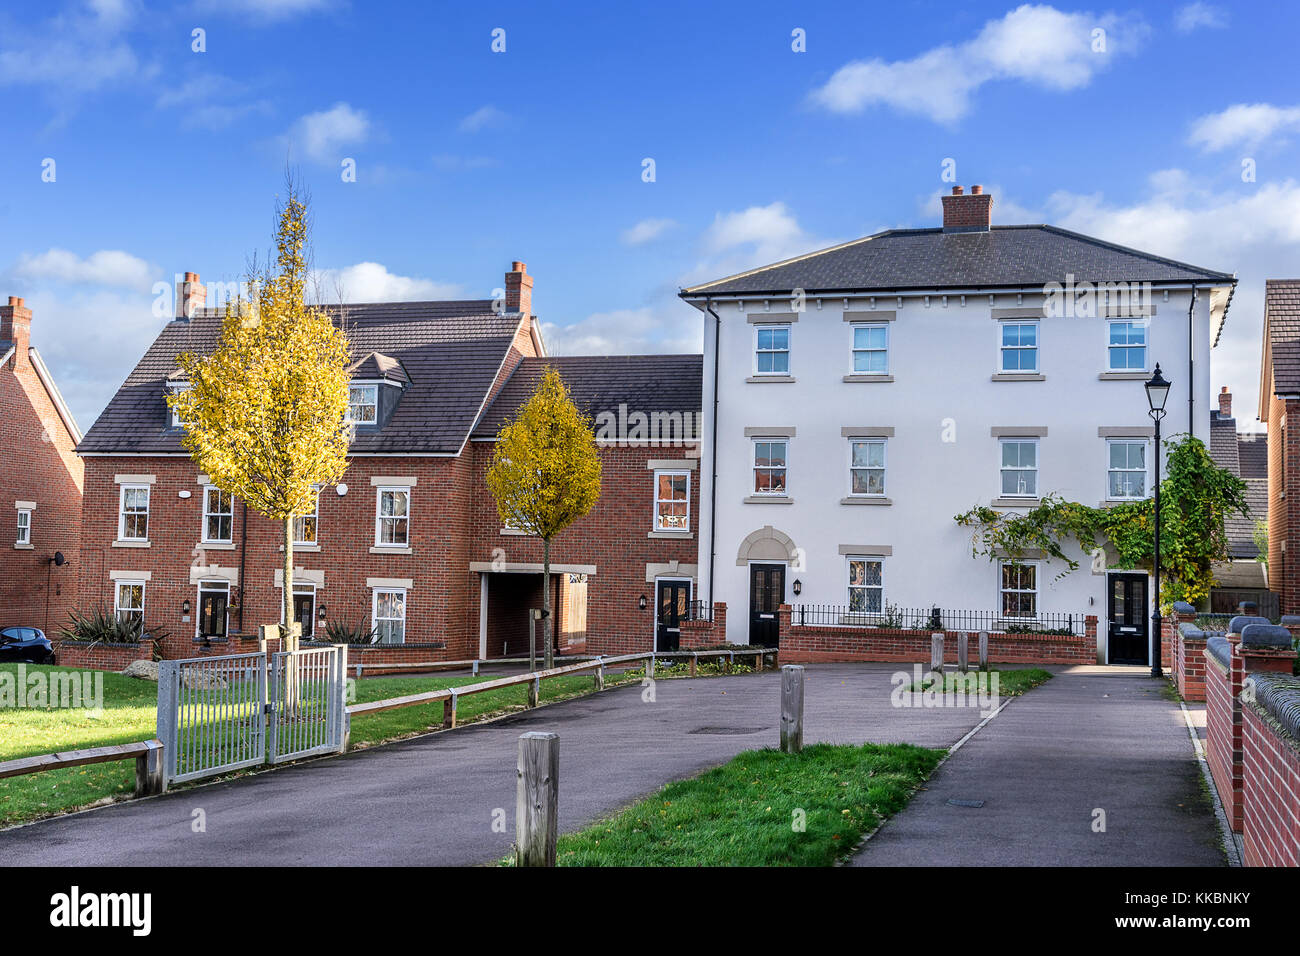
{"x":966,"y":803}
{"x":726,"y":731}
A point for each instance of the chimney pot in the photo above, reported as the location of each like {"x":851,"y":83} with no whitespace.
{"x":977,"y":190}
{"x":956,"y":190}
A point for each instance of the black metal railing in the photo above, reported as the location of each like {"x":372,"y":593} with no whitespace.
{"x":936,"y":619}
{"x":699,"y":611}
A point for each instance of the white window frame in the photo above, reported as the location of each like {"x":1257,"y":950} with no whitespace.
{"x":883,"y":469}
{"x":118,"y":609}
{"x":755,"y":468}
{"x":176,"y":390}
{"x":1002,"y":469}
{"x":854,"y":350}
{"x":849,"y":586}
{"x":374,"y":613}
{"x":371,"y":387}
{"x":380,"y":518}
{"x":1138,"y":322}
{"x":208,"y":513}
{"x":761,"y":327}
{"x":121,"y":511}
{"x":671,"y":473}
{"x":1145,"y":471}
{"x":1036,"y":590}
{"x":299,"y":522}
{"x":24,"y":526}
{"x":1003,"y":348}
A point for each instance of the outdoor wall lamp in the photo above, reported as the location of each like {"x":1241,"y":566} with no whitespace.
{"x":1157,"y":392}
{"x":797,"y":587}
{"x":185,"y":606}
{"x":321,"y":612}
{"x":641,"y":602}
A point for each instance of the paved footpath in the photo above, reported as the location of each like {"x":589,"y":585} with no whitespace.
{"x":1090,"y":738}
{"x":431,"y":800}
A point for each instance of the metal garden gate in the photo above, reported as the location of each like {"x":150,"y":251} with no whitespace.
{"x":218,"y":714}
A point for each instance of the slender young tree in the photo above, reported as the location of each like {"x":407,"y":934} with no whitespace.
{"x":545,"y":473}
{"x":265,"y":412}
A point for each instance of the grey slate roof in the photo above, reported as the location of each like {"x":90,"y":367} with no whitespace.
{"x":601,"y":383}
{"x":1246,"y":456}
{"x":933,"y":259}
{"x":1282,"y":327}
{"x":451,"y":352}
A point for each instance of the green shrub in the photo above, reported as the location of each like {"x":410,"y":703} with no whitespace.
{"x":341,"y":632}
{"x":106,"y":627}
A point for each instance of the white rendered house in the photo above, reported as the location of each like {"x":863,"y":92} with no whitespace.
{"x":857,"y":398}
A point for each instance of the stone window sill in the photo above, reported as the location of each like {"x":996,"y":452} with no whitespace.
{"x":1123,"y":376}
{"x":865,"y":379}
{"x":768,"y":379}
{"x":1018,"y":377}
{"x":217,"y":546}
{"x":380,"y":550}
{"x":767,"y":500}
{"x":1016,"y":502}
{"x":302,"y":547}
{"x":671,"y":534}
{"x":128,"y":543}
{"x":866,"y":500}
{"x":515,"y":532}
{"x":20,"y":546}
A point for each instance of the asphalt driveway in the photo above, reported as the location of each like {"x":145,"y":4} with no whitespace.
{"x":448,"y":798}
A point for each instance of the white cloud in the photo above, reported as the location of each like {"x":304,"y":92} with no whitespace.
{"x":107,"y":267}
{"x":322,"y":135}
{"x":266,"y":11}
{"x":1244,"y":125}
{"x":372,"y":282}
{"x":74,"y":52}
{"x":450,"y":162}
{"x":1035,"y":44}
{"x":647,"y":230}
{"x":211,"y":101}
{"x":667,"y":326}
{"x":485,"y":117}
{"x":1196,"y":15}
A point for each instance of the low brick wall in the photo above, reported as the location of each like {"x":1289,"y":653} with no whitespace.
{"x":1189,"y":662}
{"x":1271,"y":779}
{"x":812,"y":643}
{"x":697,"y":634}
{"x":101,"y":657}
{"x":1223,"y":725}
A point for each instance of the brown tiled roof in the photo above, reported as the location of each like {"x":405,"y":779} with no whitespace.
{"x":449,"y":352}
{"x":1246,"y":456}
{"x":601,"y":383}
{"x":1282,"y":331}
{"x":1252,"y":452}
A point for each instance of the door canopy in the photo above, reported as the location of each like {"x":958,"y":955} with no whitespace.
{"x":766,"y":544}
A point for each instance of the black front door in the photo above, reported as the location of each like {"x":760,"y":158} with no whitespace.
{"x":1127,"y":614}
{"x":304,"y":611}
{"x":671,"y":600}
{"x":212,"y":613}
{"x":766,"y":595}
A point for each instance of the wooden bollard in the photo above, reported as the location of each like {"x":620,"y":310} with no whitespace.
{"x":600,"y":675}
{"x":936,"y":653}
{"x":449,"y":712}
{"x":963,"y":651}
{"x":792,"y":708}
{"x":537,"y":797}
{"x":984,"y":650}
{"x":149,"y":771}
{"x":535,"y":692}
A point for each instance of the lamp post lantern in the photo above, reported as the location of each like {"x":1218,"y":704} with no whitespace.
{"x":1157,"y":392}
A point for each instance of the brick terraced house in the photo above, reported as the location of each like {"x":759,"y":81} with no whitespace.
{"x":40,"y":478}
{"x":1279,"y":409}
{"x":409,"y":542}
{"x":1243,"y":577}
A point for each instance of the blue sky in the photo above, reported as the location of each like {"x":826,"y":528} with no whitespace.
{"x":167,"y":159}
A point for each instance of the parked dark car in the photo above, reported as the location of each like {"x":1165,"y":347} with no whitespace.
{"x":26,"y":644}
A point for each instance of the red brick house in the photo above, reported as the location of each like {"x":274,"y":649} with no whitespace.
{"x":409,"y":542}
{"x":41,"y":479}
{"x":1279,"y":409}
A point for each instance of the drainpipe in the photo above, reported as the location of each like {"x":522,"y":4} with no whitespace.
{"x":243,"y":554}
{"x":1191,"y":389}
{"x":713,"y":484}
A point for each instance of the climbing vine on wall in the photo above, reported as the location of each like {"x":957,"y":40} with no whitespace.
{"x":1195,"y":497}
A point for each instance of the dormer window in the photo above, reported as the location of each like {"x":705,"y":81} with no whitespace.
{"x":363,"y":404}
{"x":175,"y":416}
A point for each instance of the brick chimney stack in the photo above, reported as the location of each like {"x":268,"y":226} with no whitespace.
{"x":16,"y":329}
{"x":190,"y":296}
{"x":519,"y":289}
{"x":1225,"y":403}
{"x":963,"y":213}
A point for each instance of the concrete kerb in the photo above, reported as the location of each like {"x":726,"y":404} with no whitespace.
{"x":1226,"y":836}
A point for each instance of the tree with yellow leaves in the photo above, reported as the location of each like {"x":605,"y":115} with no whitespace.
{"x":265,"y":412}
{"x":545,"y":473}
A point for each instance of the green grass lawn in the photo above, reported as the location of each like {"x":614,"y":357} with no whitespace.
{"x":129,"y":714}
{"x":748,"y":811}
{"x":1011,"y":683}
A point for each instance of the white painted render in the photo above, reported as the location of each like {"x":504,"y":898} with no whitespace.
{"x":942,"y":359}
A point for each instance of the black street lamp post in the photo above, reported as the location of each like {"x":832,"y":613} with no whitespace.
{"x":1157,"y":392}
